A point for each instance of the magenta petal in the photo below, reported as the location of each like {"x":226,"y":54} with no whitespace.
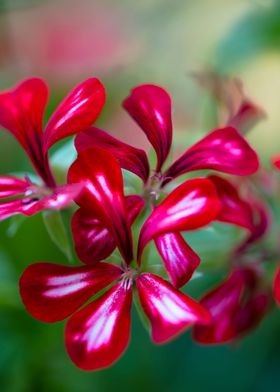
{"x":51,"y":292}
{"x":179,"y":259}
{"x":234,"y":210}
{"x":21,"y":113}
{"x":192,"y":205}
{"x":103,"y":194}
{"x":252,"y":313}
{"x":150,"y":107}
{"x":98,"y":334}
{"x":130,"y":158}
{"x":222,"y":302}
{"x":169,"y":311}
{"x":76,"y":112}
{"x":276,"y":286}
{"x":276,"y":161}
{"x":224,"y":150}
{"x":93,"y":241}
{"x":12,"y":186}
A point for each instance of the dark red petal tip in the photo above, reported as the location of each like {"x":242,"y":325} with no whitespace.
{"x":224,"y":150}
{"x":150,"y":107}
{"x":103,"y":194}
{"x":130,"y":158}
{"x":76,"y":113}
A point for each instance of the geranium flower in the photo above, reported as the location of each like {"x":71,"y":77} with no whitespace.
{"x":21,"y":114}
{"x":98,"y":334}
{"x":223,"y":150}
{"x":239,"y":303}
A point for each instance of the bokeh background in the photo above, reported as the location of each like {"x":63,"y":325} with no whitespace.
{"x":125,"y":43}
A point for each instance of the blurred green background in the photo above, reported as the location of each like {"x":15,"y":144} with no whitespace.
{"x":125,"y":43}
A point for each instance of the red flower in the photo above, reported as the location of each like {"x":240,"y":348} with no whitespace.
{"x":21,"y":113}
{"x":98,"y":334}
{"x":249,"y":213}
{"x":224,"y":149}
{"x":105,"y":214}
{"x":237,"y":306}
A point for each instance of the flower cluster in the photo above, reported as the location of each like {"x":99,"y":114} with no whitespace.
{"x":113,"y":231}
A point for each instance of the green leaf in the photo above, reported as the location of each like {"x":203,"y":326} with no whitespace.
{"x":62,"y":159}
{"x":14,"y":224}
{"x":57,"y":231}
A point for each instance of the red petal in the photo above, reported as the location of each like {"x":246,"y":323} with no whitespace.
{"x":76,"y":112}
{"x":223,"y":150}
{"x":130,"y":158}
{"x":97,"y":335}
{"x":93,"y":241}
{"x":276,"y":286}
{"x":103,"y":194}
{"x":150,"y":107}
{"x":222,"y":302}
{"x":51,"y":292}
{"x":179,"y":259}
{"x":234,"y":210}
{"x":276,"y":161}
{"x":190,"y":206}
{"x":21,"y":113}
{"x":169,"y":311}
{"x":12,"y":186}
{"x":61,"y":197}
{"x":260,"y":226}
{"x":251,"y":314}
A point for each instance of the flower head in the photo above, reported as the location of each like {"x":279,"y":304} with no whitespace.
{"x":21,"y":114}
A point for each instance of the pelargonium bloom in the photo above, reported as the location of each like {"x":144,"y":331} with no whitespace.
{"x":223,"y":149}
{"x":237,"y":305}
{"x":97,"y":334}
{"x":101,"y":223}
{"x":21,"y":114}
{"x":247,"y":212}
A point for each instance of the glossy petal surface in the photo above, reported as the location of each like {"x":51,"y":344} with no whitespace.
{"x":224,"y":150}
{"x":61,"y":197}
{"x":76,"y":112}
{"x":12,"y":186}
{"x":103,"y":194}
{"x":191,"y":205}
{"x":222,"y":302}
{"x":169,"y":311}
{"x":234,"y":210}
{"x":130,"y":158}
{"x":150,"y":107}
{"x":21,"y":113}
{"x":51,"y":292}
{"x":98,"y":334}
{"x":276,"y":286}
{"x":179,"y":259}
{"x":93,"y":241}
